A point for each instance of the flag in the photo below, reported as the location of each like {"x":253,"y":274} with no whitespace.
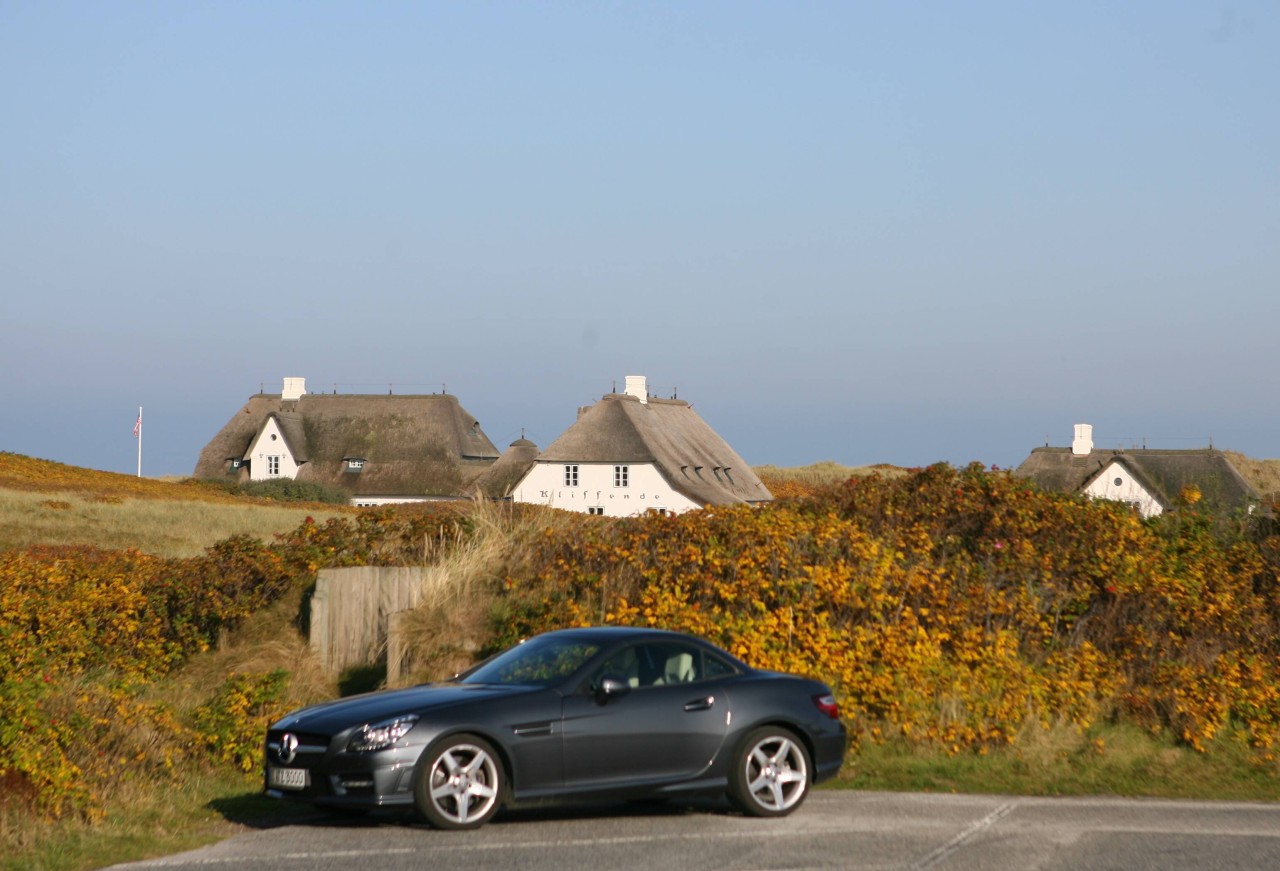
{"x":137,"y":427}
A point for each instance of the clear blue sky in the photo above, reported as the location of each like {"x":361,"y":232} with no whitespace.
{"x":865,"y":232}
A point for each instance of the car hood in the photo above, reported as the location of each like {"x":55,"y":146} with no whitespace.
{"x":333,"y":717}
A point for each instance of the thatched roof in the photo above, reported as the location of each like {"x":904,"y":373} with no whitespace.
{"x":498,"y":480}
{"x":412,"y":446}
{"x":668,"y":433}
{"x":1163,"y":473}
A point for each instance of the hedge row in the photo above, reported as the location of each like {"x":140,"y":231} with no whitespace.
{"x":952,"y":606}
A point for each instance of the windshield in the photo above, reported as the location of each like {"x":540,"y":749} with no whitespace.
{"x":541,"y":661}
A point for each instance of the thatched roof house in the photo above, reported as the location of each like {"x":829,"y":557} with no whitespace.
{"x":631,"y":452}
{"x":500,"y":479}
{"x":380,"y":449}
{"x":1153,"y":481}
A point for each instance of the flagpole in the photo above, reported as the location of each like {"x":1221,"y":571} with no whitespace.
{"x":139,"y":441}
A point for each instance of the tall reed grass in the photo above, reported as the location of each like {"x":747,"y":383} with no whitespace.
{"x":464,"y":574}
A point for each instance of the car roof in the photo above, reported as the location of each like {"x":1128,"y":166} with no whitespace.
{"x":610,"y":636}
{"x":614,"y":633}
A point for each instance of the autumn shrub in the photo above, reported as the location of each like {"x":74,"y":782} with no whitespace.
{"x":949,"y":606}
{"x":83,"y":632}
{"x":954,"y":608}
{"x":230,"y":725}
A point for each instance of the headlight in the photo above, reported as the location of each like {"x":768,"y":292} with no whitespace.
{"x":379,"y":736}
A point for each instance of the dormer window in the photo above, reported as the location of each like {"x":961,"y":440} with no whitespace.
{"x":355,"y":464}
{"x":236,"y":463}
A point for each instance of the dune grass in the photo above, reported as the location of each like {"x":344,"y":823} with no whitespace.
{"x":164,"y":527}
{"x":453,"y":620}
{"x":825,"y":472}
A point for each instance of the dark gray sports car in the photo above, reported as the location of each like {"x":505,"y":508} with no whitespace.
{"x":616,"y":712}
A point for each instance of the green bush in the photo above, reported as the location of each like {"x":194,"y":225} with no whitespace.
{"x":286,"y":490}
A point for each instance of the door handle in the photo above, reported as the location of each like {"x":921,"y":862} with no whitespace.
{"x":700,"y":704}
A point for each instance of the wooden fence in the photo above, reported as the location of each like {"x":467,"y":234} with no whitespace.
{"x":351,"y":614}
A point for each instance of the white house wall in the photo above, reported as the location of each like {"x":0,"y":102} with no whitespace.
{"x":270,"y":442}
{"x":646,"y":490}
{"x":1116,"y":483}
{"x":379,"y":501}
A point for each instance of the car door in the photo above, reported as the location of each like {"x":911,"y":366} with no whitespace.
{"x":668,"y":724}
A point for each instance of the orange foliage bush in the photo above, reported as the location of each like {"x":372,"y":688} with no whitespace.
{"x":83,"y":631}
{"x":950,"y":606}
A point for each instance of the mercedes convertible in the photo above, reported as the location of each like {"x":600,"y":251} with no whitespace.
{"x":575,"y":714}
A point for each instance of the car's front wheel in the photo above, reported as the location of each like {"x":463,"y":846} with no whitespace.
{"x":770,"y":774}
{"x":459,"y":783}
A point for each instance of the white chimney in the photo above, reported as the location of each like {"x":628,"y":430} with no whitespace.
{"x":1082,"y":444}
{"x":294,"y":389}
{"x":638,"y":387}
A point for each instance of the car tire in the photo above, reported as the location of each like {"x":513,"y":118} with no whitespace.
{"x":459,"y":783}
{"x":770,"y":776}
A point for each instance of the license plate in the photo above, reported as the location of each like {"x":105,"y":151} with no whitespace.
{"x":288,"y":778}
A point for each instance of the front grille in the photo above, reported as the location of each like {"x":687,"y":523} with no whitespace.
{"x":311,"y":747}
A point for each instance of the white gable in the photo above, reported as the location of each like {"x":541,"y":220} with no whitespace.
{"x":1117,"y":483}
{"x":269,"y":456}
{"x":613,"y":490}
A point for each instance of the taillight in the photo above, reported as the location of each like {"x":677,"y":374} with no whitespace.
{"x":828,"y":705}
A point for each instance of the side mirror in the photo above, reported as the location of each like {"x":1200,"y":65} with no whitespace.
{"x":611,"y":688}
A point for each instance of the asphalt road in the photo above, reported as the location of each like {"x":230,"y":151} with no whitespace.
{"x":834,"y":829}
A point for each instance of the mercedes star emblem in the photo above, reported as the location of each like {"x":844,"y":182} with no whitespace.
{"x":288,"y":747}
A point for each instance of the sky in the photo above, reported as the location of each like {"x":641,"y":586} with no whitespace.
{"x":863,"y":232}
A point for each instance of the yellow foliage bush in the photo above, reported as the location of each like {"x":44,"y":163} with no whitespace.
{"x":948,"y":606}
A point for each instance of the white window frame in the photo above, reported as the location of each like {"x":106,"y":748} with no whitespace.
{"x":273,"y":465}
{"x":571,"y":475}
{"x":621,"y":476}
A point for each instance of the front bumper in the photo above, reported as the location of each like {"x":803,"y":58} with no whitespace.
{"x":317,"y":774}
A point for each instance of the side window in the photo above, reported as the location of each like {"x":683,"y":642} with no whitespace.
{"x":673,"y":663}
{"x":661,"y":664}
{"x":624,"y":666}
{"x":714,"y":667}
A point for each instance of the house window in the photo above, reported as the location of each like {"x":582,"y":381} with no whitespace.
{"x":620,"y":475}
{"x":273,"y":466}
{"x":571,"y":476}
{"x":596,"y":509}
{"x":354,"y":464}
{"x":236,"y":463}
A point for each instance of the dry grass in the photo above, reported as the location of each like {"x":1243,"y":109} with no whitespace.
{"x":451,"y":622}
{"x":165,"y":527}
{"x":1264,"y":475}
{"x":18,"y":472}
{"x":268,"y":640}
{"x":825,"y":472}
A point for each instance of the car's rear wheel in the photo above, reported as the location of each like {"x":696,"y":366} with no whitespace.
{"x":459,"y":783}
{"x":770,"y":773}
